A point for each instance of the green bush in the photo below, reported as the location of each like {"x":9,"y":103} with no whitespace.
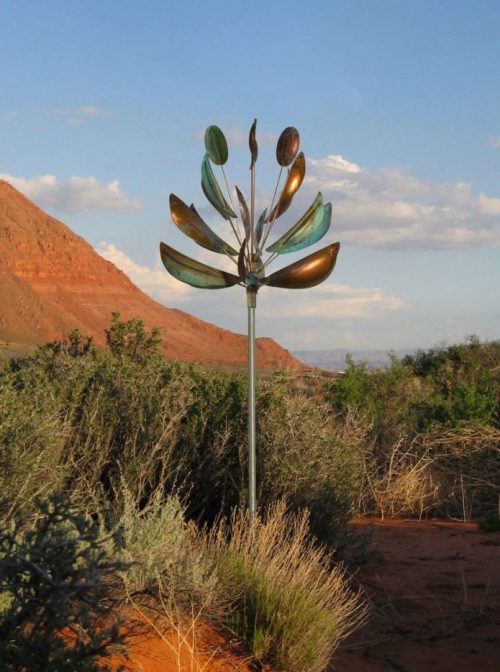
{"x":128,"y":415}
{"x":53,"y":587}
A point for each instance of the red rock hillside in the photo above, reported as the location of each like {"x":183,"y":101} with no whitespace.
{"x":52,"y":281}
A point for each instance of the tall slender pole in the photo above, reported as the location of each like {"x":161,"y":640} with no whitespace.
{"x":252,"y":478}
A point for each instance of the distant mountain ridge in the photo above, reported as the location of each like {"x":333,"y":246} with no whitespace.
{"x":52,"y":281}
{"x":335,"y":360}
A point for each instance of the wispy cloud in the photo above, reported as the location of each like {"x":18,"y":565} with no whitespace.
{"x":74,"y":116}
{"x":494,"y":141}
{"x":154,"y":281}
{"x":391,"y":207}
{"x":332,"y":301}
{"x":76,"y":194}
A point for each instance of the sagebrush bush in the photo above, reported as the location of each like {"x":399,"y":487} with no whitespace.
{"x":162,"y":553}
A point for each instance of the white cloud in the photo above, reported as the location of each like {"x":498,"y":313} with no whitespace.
{"x":332,"y":301}
{"x":154,"y":281}
{"x":494,"y":141}
{"x":488,"y":205}
{"x":74,"y":116}
{"x":76,"y":194}
{"x":391,"y":207}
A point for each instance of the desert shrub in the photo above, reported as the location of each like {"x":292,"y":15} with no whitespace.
{"x":129,"y":415}
{"x":53,"y":585}
{"x":162,"y":554}
{"x":465,"y":469}
{"x":32,"y":443}
{"x":308,"y":457}
{"x":290,"y":605}
{"x":382,"y":396}
{"x":444,"y":386}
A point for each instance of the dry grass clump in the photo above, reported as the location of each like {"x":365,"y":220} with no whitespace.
{"x":466,"y":468}
{"x":405,"y":486}
{"x":291,"y":604}
{"x":451,"y":472}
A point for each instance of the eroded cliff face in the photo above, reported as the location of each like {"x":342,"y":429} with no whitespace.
{"x":52,"y":281}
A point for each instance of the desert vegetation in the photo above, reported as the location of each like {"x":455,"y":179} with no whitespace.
{"x":148,"y":456}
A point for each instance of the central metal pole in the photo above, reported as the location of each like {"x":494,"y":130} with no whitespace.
{"x":252,"y":477}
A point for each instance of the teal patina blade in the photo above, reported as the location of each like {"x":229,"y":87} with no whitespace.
{"x":189,"y":222}
{"x":193,"y":272}
{"x":212,"y":190}
{"x":260,"y":226}
{"x":216,"y":145}
{"x":310,"y":228}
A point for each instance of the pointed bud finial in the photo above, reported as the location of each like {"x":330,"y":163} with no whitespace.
{"x":252,"y":143}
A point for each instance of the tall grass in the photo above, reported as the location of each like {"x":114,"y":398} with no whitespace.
{"x":292,"y":606}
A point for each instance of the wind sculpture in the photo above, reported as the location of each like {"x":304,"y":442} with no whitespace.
{"x":251,"y":237}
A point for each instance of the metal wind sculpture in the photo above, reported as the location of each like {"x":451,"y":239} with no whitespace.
{"x":252,"y":237}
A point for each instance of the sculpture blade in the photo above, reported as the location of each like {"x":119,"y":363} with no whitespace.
{"x":189,"y":222}
{"x":308,"y":272}
{"x":292,"y":184}
{"x":252,"y":143}
{"x":244,"y":212}
{"x":288,"y":146}
{"x":216,"y":145}
{"x":310,"y":228}
{"x":193,"y":272}
{"x":260,"y":226}
{"x":212,"y":190}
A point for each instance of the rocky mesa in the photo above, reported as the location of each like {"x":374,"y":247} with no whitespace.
{"x":52,"y":281}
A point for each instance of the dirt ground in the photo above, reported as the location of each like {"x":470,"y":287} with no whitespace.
{"x":434,"y":589}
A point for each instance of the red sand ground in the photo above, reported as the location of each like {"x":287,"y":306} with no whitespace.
{"x":434,"y":589}
{"x":435,"y":593}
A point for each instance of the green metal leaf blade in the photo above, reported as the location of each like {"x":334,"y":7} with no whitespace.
{"x":212,"y":190}
{"x":192,"y":225}
{"x":193,"y":272}
{"x":260,"y":226}
{"x":216,"y":145}
{"x":310,"y":228}
{"x":308,"y":272}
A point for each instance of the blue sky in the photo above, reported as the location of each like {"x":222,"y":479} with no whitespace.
{"x":103,"y":107}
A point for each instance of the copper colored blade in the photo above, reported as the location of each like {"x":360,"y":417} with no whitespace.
{"x":288,"y":146}
{"x":244,"y":212}
{"x":293,"y":181}
{"x":307,"y":272}
{"x":193,"y":272}
{"x":189,"y":222}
